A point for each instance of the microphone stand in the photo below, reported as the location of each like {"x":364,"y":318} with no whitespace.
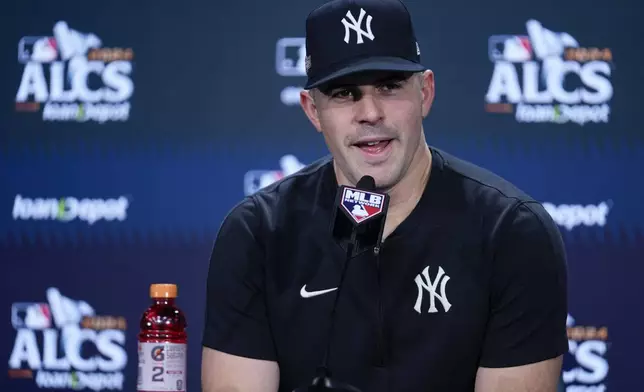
{"x":323,"y":380}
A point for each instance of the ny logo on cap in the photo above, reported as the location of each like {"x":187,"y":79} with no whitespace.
{"x":355,"y":25}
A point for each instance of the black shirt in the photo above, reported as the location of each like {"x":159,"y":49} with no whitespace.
{"x":475,"y":276}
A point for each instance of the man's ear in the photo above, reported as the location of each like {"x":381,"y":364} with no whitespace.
{"x":427,"y":91}
{"x":307,"y":101}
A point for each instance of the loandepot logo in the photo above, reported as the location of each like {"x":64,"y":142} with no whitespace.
{"x":70,"y":208}
{"x":547,"y":77}
{"x":62,"y":344}
{"x":74,"y":77}
{"x":573,"y":215}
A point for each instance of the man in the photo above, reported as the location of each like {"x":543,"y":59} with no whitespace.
{"x":467,"y":291}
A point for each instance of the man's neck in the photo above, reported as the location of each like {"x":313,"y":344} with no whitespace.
{"x":404,"y":196}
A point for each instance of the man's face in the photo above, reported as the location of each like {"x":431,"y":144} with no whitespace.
{"x":372,"y":122}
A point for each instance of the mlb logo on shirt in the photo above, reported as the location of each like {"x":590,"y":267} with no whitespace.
{"x":362,"y":205}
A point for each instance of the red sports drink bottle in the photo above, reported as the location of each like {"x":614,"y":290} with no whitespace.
{"x":162,"y":343}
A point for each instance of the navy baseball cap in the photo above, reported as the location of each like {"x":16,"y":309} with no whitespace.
{"x":349,"y":36}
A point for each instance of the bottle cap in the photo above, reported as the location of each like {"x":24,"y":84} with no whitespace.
{"x":163,"y":290}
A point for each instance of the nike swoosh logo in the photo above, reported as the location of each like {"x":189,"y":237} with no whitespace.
{"x":309,"y":294}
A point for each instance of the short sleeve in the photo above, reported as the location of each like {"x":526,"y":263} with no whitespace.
{"x":236,"y":321}
{"x":529,"y":302}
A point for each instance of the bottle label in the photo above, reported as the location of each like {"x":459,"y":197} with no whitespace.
{"x":162,"y":367}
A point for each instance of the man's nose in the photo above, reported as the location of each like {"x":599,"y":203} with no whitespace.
{"x":369,"y":109}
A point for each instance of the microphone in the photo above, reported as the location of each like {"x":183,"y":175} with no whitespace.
{"x":357,"y":224}
{"x":359,"y":218}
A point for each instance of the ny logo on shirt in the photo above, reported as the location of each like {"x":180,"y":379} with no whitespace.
{"x":425,"y":284}
{"x":355,"y":25}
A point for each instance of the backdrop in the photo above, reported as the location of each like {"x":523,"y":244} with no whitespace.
{"x":129,"y":129}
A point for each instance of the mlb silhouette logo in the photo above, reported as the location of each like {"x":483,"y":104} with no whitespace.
{"x":290,"y":56}
{"x":31,"y":315}
{"x":512,"y":48}
{"x":362,"y":205}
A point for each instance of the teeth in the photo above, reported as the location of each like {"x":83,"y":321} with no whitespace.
{"x":372,"y":143}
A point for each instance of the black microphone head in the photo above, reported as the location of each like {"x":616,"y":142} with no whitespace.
{"x":366,"y":183}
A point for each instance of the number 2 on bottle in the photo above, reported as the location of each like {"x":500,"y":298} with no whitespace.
{"x":158,"y":373}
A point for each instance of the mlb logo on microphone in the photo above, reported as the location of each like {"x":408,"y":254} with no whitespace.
{"x":362,"y":205}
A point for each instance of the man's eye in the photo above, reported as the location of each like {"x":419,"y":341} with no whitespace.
{"x":390,"y":86}
{"x":341,"y":93}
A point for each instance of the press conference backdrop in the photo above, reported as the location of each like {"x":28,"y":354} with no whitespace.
{"x":129,"y":129}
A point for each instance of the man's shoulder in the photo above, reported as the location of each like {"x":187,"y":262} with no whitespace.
{"x":304,"y":182}
{"x":479,"y":182}
{"x":300,"y":191}
{"x":490,"y":196}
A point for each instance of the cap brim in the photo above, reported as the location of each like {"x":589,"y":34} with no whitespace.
{"x":369,"y":64}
